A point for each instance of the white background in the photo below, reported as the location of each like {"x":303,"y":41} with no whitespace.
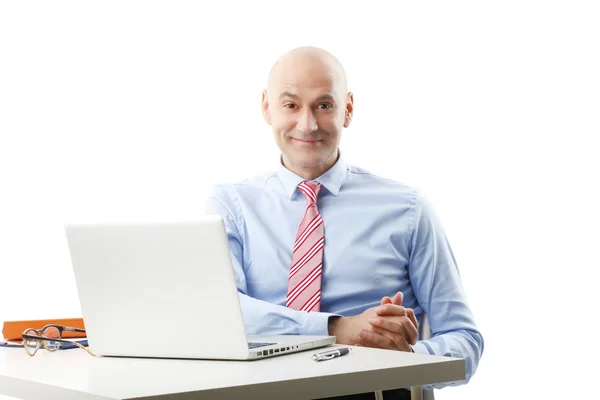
{"x":133,"y":110}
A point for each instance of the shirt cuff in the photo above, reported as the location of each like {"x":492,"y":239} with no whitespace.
{"x":420,"y":348}
{"x":316,"y":324}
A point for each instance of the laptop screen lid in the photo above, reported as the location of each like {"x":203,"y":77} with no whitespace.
{"x":158,"y":289}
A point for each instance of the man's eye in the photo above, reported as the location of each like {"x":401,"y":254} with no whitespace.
{"x":290,"y":106}
{"x":325,"y":106}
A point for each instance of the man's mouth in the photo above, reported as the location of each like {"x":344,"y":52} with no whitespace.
{"x":307,"y":141}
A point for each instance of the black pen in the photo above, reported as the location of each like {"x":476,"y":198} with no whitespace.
{"x":328,"y":355}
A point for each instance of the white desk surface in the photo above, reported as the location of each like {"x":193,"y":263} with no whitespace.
{"x":74,"y":374}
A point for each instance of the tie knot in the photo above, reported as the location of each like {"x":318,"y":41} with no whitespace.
{"x":310,"y":190}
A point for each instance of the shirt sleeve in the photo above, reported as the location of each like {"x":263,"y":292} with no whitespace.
{"x":260,"y":317}
{"x":437,"y":285}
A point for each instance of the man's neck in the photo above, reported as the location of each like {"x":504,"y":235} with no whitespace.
{"x":310,"y":173}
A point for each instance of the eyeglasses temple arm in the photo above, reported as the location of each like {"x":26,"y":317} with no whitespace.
{"x":82,"y":347}
{"x":66,"y":328}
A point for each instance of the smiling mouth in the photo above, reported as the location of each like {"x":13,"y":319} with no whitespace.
{"x":306,"y":141}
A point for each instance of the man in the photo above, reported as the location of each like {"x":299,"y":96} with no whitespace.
{"x":322,"y":247}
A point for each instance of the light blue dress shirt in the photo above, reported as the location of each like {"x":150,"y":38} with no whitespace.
{"x":381,"y":237}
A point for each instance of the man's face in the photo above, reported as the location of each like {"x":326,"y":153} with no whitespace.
{"x":307,"y":107}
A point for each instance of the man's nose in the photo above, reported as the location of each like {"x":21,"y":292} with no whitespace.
{"x":307,"y":122}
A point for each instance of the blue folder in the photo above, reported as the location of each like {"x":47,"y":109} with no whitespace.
{"x":63,"y":346}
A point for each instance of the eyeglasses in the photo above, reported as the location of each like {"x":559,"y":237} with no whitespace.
{"x":50,"y":336}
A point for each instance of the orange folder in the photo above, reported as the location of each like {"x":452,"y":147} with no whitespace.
{"x":12,"y":330}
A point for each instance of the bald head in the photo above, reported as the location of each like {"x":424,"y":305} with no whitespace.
{"x":301,"y":64}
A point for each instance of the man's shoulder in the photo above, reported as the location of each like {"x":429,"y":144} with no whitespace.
{"x":253,"y":183}
{"x":365,"y":176}
{"x":400,"y":191}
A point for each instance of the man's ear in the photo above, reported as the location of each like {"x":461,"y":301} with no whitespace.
{"x":265,"y":107}
{"x":349,"y":110}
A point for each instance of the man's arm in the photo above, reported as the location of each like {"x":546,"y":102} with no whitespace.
{"x":436,"y":282}
{"x":260,"y":317}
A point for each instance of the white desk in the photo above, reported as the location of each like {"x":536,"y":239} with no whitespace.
{"x":74,"y":374}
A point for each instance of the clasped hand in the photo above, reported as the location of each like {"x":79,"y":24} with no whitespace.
{"x":387,"y":326}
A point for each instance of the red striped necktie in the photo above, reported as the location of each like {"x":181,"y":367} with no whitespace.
{"x":304,"y":286}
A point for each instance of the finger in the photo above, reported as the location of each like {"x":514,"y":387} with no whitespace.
{"x":398,"y":298}
{"x":403,"y":326}
{"x":386,"y":300}
{"x":399,"y":340}
{"x":373,"y":339}
{"x":410,"y":313}
{"x":395,"y":310}
{"x":366,"y":343}
{"x":385,"y":340}
{"x":411,"y":330}
{"x":391,"y":309}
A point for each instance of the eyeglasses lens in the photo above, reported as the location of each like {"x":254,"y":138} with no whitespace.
{"x":54,"y":333}
{"x":31,"y":345}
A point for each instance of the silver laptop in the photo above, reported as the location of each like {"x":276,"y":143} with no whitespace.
{"x":166,"y":290}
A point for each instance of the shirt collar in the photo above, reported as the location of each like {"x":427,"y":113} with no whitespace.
{"x":332,"y":179}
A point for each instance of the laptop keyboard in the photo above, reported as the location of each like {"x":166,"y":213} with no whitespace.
{"x":254,"y":345}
